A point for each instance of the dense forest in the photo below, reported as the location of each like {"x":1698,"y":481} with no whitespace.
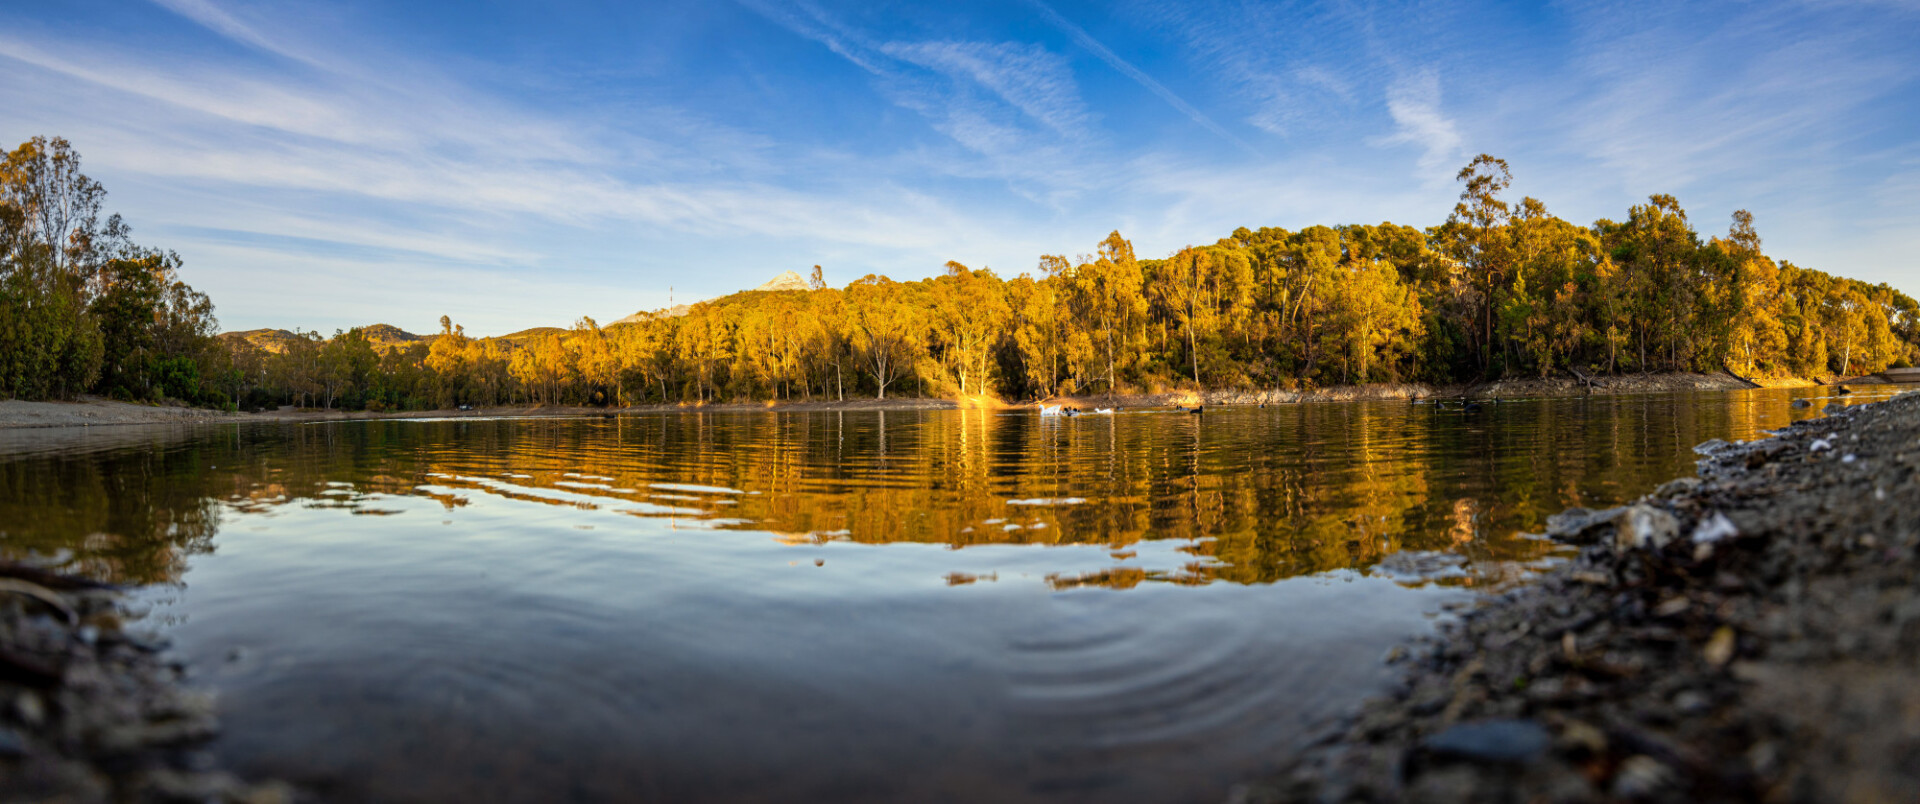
{"x":1500,"y":289}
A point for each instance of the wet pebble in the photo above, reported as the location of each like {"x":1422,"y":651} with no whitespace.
{"x":1500,"y":741}
{"x":11,"y":743}
{"x":1644,"y":527}
{"x":1642,"y":776}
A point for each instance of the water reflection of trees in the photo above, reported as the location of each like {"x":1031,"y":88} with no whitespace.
{"x":1252,"y":495}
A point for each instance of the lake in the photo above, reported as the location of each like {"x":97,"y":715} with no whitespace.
{"x":846,"y":606}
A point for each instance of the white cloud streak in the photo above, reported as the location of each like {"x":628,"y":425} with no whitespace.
{"x":1126,"y":68}
{"x":1414,"y":103}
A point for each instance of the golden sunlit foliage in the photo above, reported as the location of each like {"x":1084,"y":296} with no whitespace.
{"x":1500,"y":289}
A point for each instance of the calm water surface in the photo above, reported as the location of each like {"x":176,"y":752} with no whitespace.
{"x":952,"y":605}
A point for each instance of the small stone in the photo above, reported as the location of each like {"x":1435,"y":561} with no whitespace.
{"x":1511,"y":742}
{"x":1577,"y":736}
{"x":1710,"y":446}
{"x":1644,"y":527}
{"x":1642,"y":776}
{"x":1571,"y":523}
{"x":1590,"y":578}
{"x":1677,"y":487}
{"x":1719,"y":649}
{"x":11,"y":743}
{"x":1714,"y":528}
{"x":29,"y":708}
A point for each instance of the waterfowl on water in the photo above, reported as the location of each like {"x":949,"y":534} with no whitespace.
{"x":1103,"y":411}
{"x":1196,"y":409}
{"x":1051,"y":410}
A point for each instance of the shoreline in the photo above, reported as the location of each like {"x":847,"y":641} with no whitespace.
{"x":1750,"y":633}
{"x":95,"y":712}
{"x":93,"y":412}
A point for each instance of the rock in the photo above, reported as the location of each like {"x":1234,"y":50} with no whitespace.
{"x":30,"y":709}
{"x":1644,"y":527}
{"x":1802,"y":403}
{"x":1719,"y":649}
{"x":1580,"y":736}
{"x":1714,"y":528}
{"x":1677,"y":487}
{"x":1513,"y":742}
{"x":1579,"y":525}
{"x":1642,"y":776}
{"x":12,"y":744}
{"x":1710,"y":446}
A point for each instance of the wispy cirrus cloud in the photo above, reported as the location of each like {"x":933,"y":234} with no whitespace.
{"x":617,"y":155}
{"x":1414,"y":103}
{"x":1014,"y":107}
{"x":1025,"y":76}
{"x":1139,"y":76}
{"x":369,"y":160}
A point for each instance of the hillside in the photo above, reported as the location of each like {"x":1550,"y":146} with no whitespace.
{"x":528,"y":334}
{"x":786,"y":281}
{"x":675,"y":311}
{"x":387,"y":336}
{"x":273,"y":341}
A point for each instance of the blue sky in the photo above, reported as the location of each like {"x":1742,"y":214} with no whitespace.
{"x":522,"y":164}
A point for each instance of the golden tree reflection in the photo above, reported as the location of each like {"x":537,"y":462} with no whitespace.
{"x":1245,"y":496}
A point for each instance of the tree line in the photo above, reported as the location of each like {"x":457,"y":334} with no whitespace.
{"x":1499,"y":289}
{"x":82,"y":307}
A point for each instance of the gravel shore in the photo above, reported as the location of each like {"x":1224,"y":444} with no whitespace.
{"x":90,"y":712}
{"x":1749,"y":634}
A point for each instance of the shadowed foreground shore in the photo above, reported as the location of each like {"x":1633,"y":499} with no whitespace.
{"x":91,"y":712}
{"x":1749,"y":634}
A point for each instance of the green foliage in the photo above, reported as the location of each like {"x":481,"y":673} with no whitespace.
{"x":1499,"y":289}
{"x":82,"y":308}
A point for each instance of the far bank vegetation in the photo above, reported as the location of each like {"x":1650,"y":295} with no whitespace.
{"x":1500,"y":289}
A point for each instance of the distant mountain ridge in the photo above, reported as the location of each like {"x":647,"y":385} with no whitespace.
{"x":382,"y":336}
{"x":388,"y":336}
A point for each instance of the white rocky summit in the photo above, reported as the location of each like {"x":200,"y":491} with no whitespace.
{"x":791,"y":280}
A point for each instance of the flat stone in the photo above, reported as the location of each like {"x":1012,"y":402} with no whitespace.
{"x":12,"y":744}
{"x":1513,"y":742}
{"x":1644,"y":527}
{"x":1710,"y":446}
